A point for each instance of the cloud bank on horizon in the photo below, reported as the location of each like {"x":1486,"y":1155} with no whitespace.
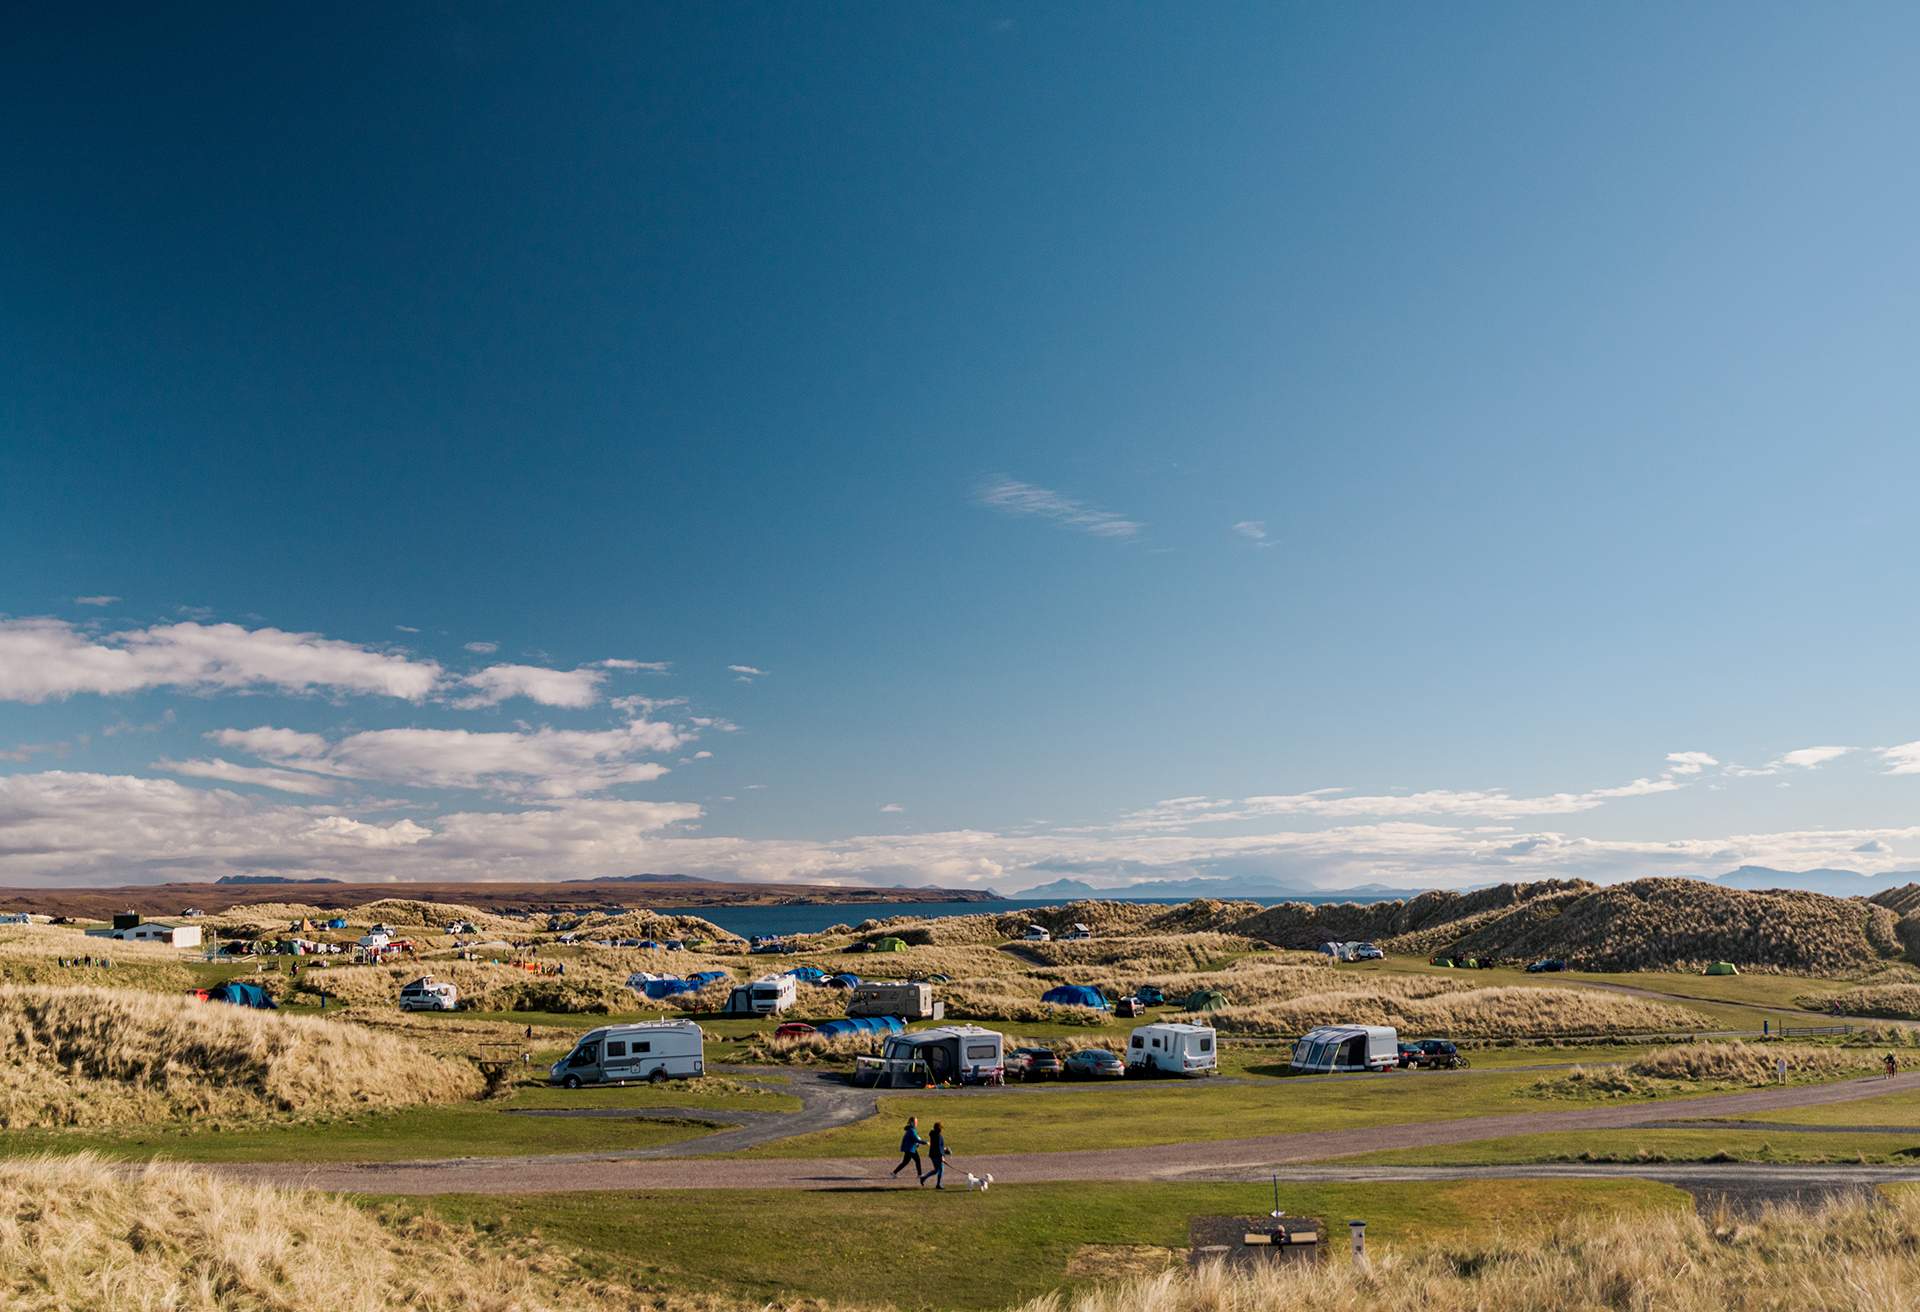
{"x":537,"y":801}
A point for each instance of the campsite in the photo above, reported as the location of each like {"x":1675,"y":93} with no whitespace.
{"x":514,"y":1044}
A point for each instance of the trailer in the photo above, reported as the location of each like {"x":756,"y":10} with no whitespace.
{"x":1347,"y":1048}
{"x":958,"y":1054}
{"x":909,"y":1001}
{"x":1172,"y":1048}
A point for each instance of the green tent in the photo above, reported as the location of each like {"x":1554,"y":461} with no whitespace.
{"x":889,"y":945}
{"x":1205,"y":1000}
{"x":1722,"y":968}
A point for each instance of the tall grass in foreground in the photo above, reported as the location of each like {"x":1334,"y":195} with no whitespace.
{"x":88,"y":1056}
{"x":76,"y":1233}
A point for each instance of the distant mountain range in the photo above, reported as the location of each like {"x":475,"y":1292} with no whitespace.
{"x":270,"y":879}
{"x":1834,"y":883}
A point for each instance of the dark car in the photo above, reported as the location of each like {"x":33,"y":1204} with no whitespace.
{"x":1128,"y":1007}
{"x":1033,"y":1064}
{"x":1545,"y":964}
{"x":793,"y":1029}
{"x":1096,"y":1063}
{"x":1434,"y":1054}
{"x":1151,"y":995}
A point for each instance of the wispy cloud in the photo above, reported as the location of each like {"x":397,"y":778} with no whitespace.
{"x":1806,"y":758}
{"x":651,"y":667}
{"x":892,"y":808}
{"x":1012,"y":497}
{"x":496,"y":683}
{"x":260,"y":776}
{"x":1688,"y":762}
{"x":1254,"y":531}
{"x":483,"y":648}
{"x":746,"y":673}
{"x":1904,"y":759}
{"x":100,"y":599}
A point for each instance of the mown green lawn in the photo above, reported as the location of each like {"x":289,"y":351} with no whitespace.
{"x":921,"y":1250}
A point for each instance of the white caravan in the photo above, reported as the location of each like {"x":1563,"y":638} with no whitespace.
{"x":965,"y":1054}
{"x":763,"y":997}
{"x":430,"y":994}
{"x":1172,"y":1048}
{"x":617,"y":1054}
{"x":1347,"y":1048}
{"x":1038,"y":934}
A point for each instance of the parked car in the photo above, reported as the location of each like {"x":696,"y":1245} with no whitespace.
{"x":1151,"y":995}
{"x":1129,"y":1007}
{"x":1434,"y":1054}
{"x":793,"y":1029}
{"x":1545,"y":964}
{"x":1033,"y":1064}
{"x":1367,"y":952}
{"x":1096,"y":1063}
{"x":1409,"y":1056}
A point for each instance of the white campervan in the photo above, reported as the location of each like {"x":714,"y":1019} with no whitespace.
{"x":964,"y":1054}
{"x":1173,"y":1049}
{"x":1038,"y":934}
{"x":430,"y":994}
{"x":763,"y":997}
{"x":1347,"y":1048}
{"x":617,"y":1054}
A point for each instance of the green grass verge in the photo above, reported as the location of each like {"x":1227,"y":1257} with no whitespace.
{"x":1640,"y":1145}
{"x":917,"y":1249}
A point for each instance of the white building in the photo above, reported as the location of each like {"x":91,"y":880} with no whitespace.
{"x":155,"y":931}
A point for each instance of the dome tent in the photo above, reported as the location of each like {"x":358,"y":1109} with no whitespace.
{"x":807,"y":974}
{"x":242,"y":994}
{"x":1722,"y":968}
{"x":1205,"y":1000}
{"x":862,"y":1025}
{"x":888,"y":944}
{"x":1075,"y":995}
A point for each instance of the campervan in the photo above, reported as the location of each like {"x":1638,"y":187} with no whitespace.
{"x":616,"y":1054}
{"x":964,"y":1054}
{"x":763,"y":997}
{"x":1173,"y":1049}
{"x":430,"y":994}
{"x":1037,"y":934}
{"x":1347,"y":1048}
{"x":895,"y":998}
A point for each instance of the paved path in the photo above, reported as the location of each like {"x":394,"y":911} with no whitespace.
{"x":1250,"y":1158}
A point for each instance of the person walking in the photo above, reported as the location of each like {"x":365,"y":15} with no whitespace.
{"x":1893,"y":1064}
{"x":937,"y":1157}
{"x":910,"y":1142}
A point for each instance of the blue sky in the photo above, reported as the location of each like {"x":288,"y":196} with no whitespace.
{"x":1422,"y":423}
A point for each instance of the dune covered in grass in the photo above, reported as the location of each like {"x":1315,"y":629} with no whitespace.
{"x":1462,"y":1012}
{"x":1889,"y":1001}
{"x":93,"y":1057}
{"x":1697,"y":1067}
{"x":62,"y":955}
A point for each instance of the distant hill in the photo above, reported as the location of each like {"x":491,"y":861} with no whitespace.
{"x":1834,"y":883}
{"x":1202,"y":886}
{"x":269,"y":879}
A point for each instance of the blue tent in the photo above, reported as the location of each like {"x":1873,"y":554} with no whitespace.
{"x":666,"y":988}
{"x":862,"y":1025}
{"x":846,"y":979}
{"x":242,"y":994}
{"x":807,"y":974}
{"x":1075,"y":995}
{"x":338,"y":922}
{"x":705,"y":977}
{"x":648,"y":943}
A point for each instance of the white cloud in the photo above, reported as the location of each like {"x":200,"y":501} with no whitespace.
{"x":48,"y":659}
{"x":568,"y":688}
{"x":525,"y":763}
{"x":1012,"y":497}
{"x":1254,"y":531}
{"x":892,"y":808}
{"x":285,"y":781}
{"x":703,"y":756}
{"x":651,"y":667}
{"x":1904,"y":759}
{"x":750,"y":671}
{"x":1182,"y":812}
{"x":483,"y":648}
{"x":100,"y":599}
{"x":1807,"y":758}
{"x":1688,"y":762}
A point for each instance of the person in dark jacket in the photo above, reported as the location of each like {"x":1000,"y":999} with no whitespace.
{"x":910,"y":1142}
{"x":937,"y":1157}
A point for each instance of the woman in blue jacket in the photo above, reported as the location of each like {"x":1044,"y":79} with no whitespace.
{"x":910,"y":1142}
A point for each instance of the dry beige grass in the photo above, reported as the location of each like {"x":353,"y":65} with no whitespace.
{"x":31,"y":954}
{"x":1464,"y":1012}
{"x":76,"y":1233}
{"x":1691,"y":1067}
{"x":87,"y":1056}
{"x":1892,"y":1001}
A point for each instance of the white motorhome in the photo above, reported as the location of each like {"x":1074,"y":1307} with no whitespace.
{"x":1347,"y":1048}
{"x":430,"y":994}
{"x":618,"y":1054}
{"x":1037,"y":934}
{"x":908,"y":1001}
{"x":1173,"y":1048}
{"x":965,"y":1054}
{"x":763,"y":997}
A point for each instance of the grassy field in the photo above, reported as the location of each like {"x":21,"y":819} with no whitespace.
{"x":472,"y":1129}
{"x":1641,"y":1145}
{"x":918,"y":1249}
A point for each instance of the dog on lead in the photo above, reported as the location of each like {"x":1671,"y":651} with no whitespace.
{"x":980,"y":1182}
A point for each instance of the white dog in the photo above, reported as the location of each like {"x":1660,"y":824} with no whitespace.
{"x":980,"y":1182}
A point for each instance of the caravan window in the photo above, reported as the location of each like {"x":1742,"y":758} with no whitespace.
{"x":982,"y":1051}
{"x":641,"y":1048}
{"x":615,"y":1048}
{"x":1136,"y":1042}
{"x":1206,"y":1043}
